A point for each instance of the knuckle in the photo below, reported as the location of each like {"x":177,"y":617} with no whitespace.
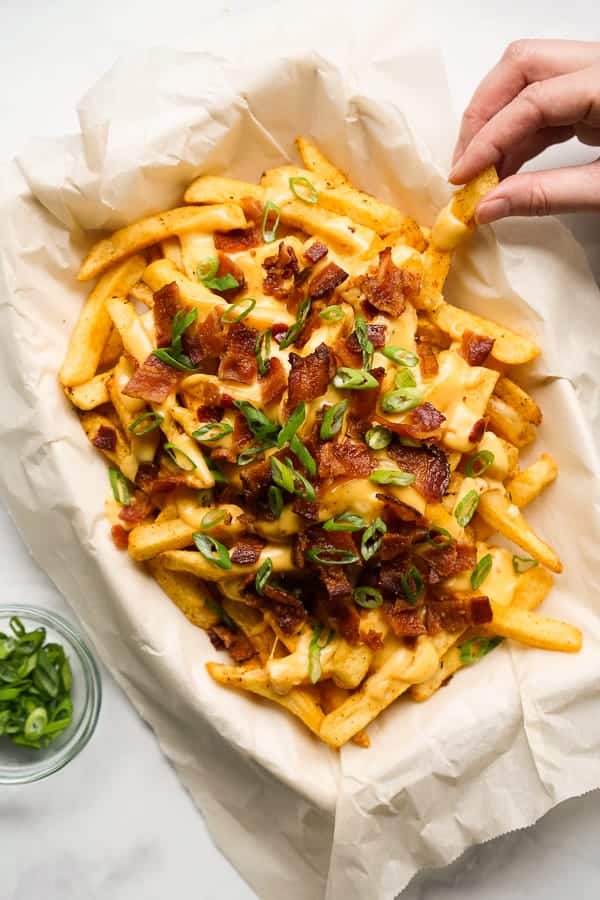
{"x":519,"y":50}
{"x":537,"y":198}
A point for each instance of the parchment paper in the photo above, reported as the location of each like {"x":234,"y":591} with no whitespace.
{"x":506,"y":740}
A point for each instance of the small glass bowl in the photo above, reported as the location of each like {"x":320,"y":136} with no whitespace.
{"x":20,"y":765}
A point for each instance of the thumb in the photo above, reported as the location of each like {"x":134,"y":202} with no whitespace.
{"x":572,"y":189}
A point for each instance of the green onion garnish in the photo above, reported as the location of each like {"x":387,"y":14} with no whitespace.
{"x":207,"y":268}
{"x":181,"y":362}
{"x":465,"y":510}
{"x":392,"y":476}
{"x":269,"y":234}
{"x":204,"y":497}
{"x":473,"y":650}
{"x":173,"y":452}
{"x":237,"y":311}
{"x":305,"y":457}
{"x":294,"y":330}
{"x":378,"y":437}
{"x":332,"y":420}
{"x":119,"y":486}
{"x":479,"y":463}
{"x":212,"y":550}
{"x":401,"y":400}
{"x":372,"y":538}
{"x":345,"y":522}
{"x":215,"y":471}
{"x":302,"y":487}
{"x":262,"y":351}
{"x":153,"y":420}
{"x":262,"y":576}
{"x":348,"y":379}
{"x":404,"y":379}
{"x":332,"y":314}
{"x":275,"y":500}
{"x":174,"y":356}
{"x":212,"y":431}
{"x":366,"y":346}
{"x":249,"y":454}
{"x":438,"y":537}
{"x":292,"y":425}
{"x":523,"y":564}
{"x":314,"y":653}
{"x":259,"y":424}
{"x":332,"y":556}
{"x":223,"y":283}
{"x":401,"y":356}
{"x":481,"y":571}
{"x":282,"y":475}
{"x":367,"y":597}
{"x":218,"y":610}
{"x":412,"y":585}
{"x":312,"y":196}
{"x":212,"y":518}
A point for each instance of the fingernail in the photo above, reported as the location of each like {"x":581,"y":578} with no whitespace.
{"x":454,"y":169}
{"x":490,"y":210}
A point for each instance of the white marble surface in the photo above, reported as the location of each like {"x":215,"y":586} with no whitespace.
{"x":116,"y":825}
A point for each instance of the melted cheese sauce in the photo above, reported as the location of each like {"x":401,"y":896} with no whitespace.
{"x":500,"y":584}
{"x":448,"y":231}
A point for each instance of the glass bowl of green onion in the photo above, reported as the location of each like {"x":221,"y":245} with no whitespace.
{"x":50,"y":693}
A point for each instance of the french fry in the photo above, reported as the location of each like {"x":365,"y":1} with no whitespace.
{"x":128,"y":240}
{"x":194,"y":563}
{"x":171,"y":248}
{"x":91,"y":393}
{"x":534,"y":630}
{"x":121,"y":456}
{"x":318,"y":163}
{"x":345,"y":663}
{"x":193,"y":293}
{"x":509,"y":347}
{"x":436,"y":265}
{"x":111,"y":351}
{"x":496,"y":509}
{"x":141,"y":293}
{"x":217,"y":189}
{"x":528,"y":484}
{"x":508,"y":423}
{"x":340,"y":230}
{"x":150,"y":539}
{"x":133,"y":334}
{"x":333,"y":696}
{"x":519,"y":399}
{"x":466,"y":200}
{"x":186,"y":593}
{"x":253,"y":624}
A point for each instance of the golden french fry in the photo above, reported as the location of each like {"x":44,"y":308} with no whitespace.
{"x":193,"y":293}
{"x":519,"y":399}
{"x":345,"y":663}
{"x":128,"y":240}
{"x":127,"y":322}
{"x":534,"y":630}
{"x":333,"y":696}
{"x":111,"y":351}
{"x":186,"y":592}
{"x":429,"y":332}
{"x":450,"y":663}
{"x":436,"y":265}
{"x":509,"y":347}
{"x":252,"y":622}
{"x":508,"y":423}
{"x":171,"y":248}
{"x":466,"y":200}
{"x":497,"y":510}
{"x":530,"y":482}
{"x":141,"y":293}
{"x":91,"y":393}
{"x":340,"y":230}
{"x":196,"y":564}
{"x":150,"y":539}
{"x":217,"y":189}
{"x":93,"y":327}
{"x":505,"y":456}
{"x":121,"y":456}
{"x":317,"y":162}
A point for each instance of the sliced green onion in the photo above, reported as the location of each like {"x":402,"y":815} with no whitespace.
{"x":204,"y":497}
{"x":401,"y":400}
{"x":345,"y":522}
{"x":270,"y":234}
{"x":215,"y":471}
{"x":262,"y":576}
{"x":372,"y":538}
{"x":392,"y":476}
{"x":174,"y":356}
{"x":367,"y":597}
{"x":314,"y":653}
{"x":302,"y":487}
{"x":408,"y":442}
{"x":348,"y":379}
{"x":404,"y":379}
{"x":35,"y":723}
{"x":181,"y":322}
{"x":262,"y":351}
{"x":212,"y":518}
{"x":438,"y":537}
{"x":179,"y":361}
{"x":473,"y":650}
{"x":173,"y":451}
{"x":212,"y":550}
{"x":479,"y":463}
{"x":412,"y":585}
{"x":212,"y":431}
{"x":305,"y":457}
{"x":207,"y":268}
{"x":481,"y":571}
{"x":119,"y":486}
{"x":332,"y":314}
{"x":154,"y":420}
{"x":218,"y":610}
{"x":366,"y":346}
{"x":292,"y":425}
{"x":332,"y":420}
{"x":16,"y":626}
{"x":401,"y":356}
{"x":523,"y":564}
{"x":282,"y":475}
{"x":259,"y":424}
{"x":466,"y":509}
{"x":378,"y":437}
{"x":294,"y":330}
{"x":312,"y":197}
{"x":223,"y":283}
{"x":249,"y":454}
{"x":275,"y":500}
{"x":237,"y":311}
{"x":332,"y":556}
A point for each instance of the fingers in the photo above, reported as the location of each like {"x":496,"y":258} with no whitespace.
{"x":523,"y":63}
{"x":574,"y":189}
{"x":564,"y":100}
{"x":534,"y":145}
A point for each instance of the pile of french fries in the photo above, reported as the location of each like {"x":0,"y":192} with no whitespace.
{"x":337,"y":688}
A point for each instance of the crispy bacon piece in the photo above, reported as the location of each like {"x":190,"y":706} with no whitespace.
{"x":404,"y":622}
{"x":444,"y":562}
{"x":150,"y":480}
{"x":423,"y":423}
{"x":239,"y":362}
{"x":241,"y":437}
{"x":274,"y":383}
{"x":120,"y":537}
{"x":429,"y":465}
{"x":344,"y":458}
{"x":152,"y":382}
{"x":243,"y":238}
{"x":310,"y":375}
{"x":327,"y":280}
{"x":255,"y":478}
{"x":308,"y":509}
{"x":228,"y":267}
{"x":475,"y":348}
{"x":347,"y":349}
{"x":428,"y":361}
{"x":316,"y":538}
{"x":166,"y":305}
{"x":457,"y":613}
{"x":387,"y":288}
{"x":288,"y":609}
{"x":363,"y":403}
{"x":239,"y":647}
{"x":247,"y":550}
{"x":372,"y":639}
{"x":478,"y":430}
{"x":280,"y":268}
{"x":209,"y":413}
{"x":397,"y":511}
{"x":388,"y":578}
{"x":138,"y":510}
{"x":316,"y":251}
{"x":106,"y":438}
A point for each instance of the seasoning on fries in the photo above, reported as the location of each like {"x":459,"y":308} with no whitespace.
{"x":310,"y":450}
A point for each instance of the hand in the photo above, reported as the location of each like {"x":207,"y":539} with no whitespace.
{"x":540,"y":93}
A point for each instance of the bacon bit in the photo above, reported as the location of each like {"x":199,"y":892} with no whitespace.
{"x":315,"y":252}
{"x":310,"y":375}
{"x":243,"y":238}
{"x":239,"y":361}
{"x":445,"y":562}
{"x":287,"y":608}
{"x":280,"y":268}
{"x":372,"y":639}
{"x":241,"y":437}
{"x":149,"y":479}
{"x":400,"y":511}
{"x":429,"y":465}
{"x":317,"y":538}
{"x":307,"y":509}
{"x":475,"y":348}
{"x":428,"y":361}
{"x":387,"y":287}
{"x":247,"y":550}
{"x":388,"y":578}
{"x":278,"y":330}
{"x":223,"y":638}
{"x":274,"y":383}
{"x":423,"y":423}
{"x":455,"y":614}
{"x":478,"y":430}
{"x":395,"y":544}
{"x":209,"y":413}
{"x":228,"y":267}
{"x":227,"y":401}
{"x":166,"y":305}
{"x":344,"y":458}
{"x":106,"y":438}
{"x":138,"y":510}
{"x":327,"y":280}
{"x":403,"y":622}
{"x":347,"y":349}
{"x":120,"y":537}
{"x":255,"y":478}
{"x":363,"y":403}
{"x":152,"y":382}
{"x":207,"y":341}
